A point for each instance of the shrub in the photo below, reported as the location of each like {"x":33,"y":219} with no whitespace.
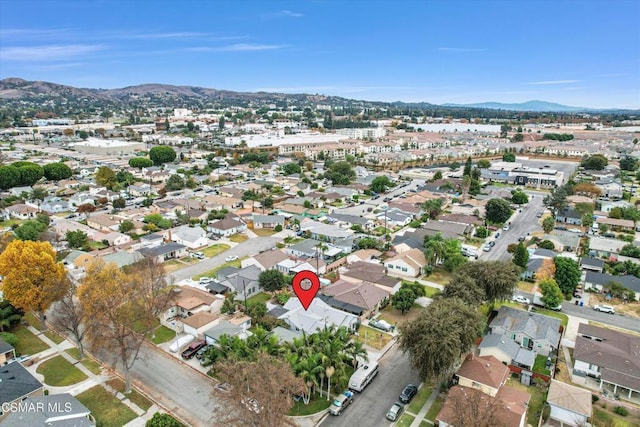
{"x":278,"y":228}
{"x":621,"y":410}
{"x":547,"y":244}
{"x":594,"y":398}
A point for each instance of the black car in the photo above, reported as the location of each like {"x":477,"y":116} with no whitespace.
{"x":407,"y":394}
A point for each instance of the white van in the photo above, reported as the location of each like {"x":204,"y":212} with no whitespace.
{"x":363,"y":376}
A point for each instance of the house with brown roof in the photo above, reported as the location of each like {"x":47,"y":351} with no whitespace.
{"x":486,"y":373}
{"x":364,"y":295}
{"x":372,"y":273}
{"x":616,"y":224}
{"x":610,"y":356}
{"x":186,"y":302}
{"x":570,"y":405}
{"x":265,"y":260}
{"x":200,"y":322}
{"x":407,"y":264}
{"x":366,"y":255}
{"x":226,"y":227}
{"x":22,"y":211}
{"x":104,"y":222}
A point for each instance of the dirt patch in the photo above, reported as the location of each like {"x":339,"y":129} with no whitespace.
{"x":394,"y":316}
{"x":627,"y":309}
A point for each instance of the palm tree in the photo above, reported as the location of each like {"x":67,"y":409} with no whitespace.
{"x":435,"y":249}
{"x":320,"y":247}
{"x":355,"y":350}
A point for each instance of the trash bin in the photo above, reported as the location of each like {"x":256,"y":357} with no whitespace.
{"x":581,"y":303}
{"x":577,"y":302}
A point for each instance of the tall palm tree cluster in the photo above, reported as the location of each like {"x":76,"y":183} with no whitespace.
{"x":329,"y":354}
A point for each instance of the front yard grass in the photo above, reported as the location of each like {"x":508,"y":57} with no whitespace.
{"x":537,"y":399}
{"x":214,"y":250}
{"x":392,"y":315}
{"x":32,"y":320}
{"x":439,"y":275}
{"x":316,"y":404}
{"x":405,"y":420}
{"x":142,"y":402}
{"x":105,"y":407}
{"x":434,"y":409}
{"x":540,"y":365}
{"x":526,"y":286}
{"x":373,"y":337}
{"x":28,"y":343}
{"x":239,"y":238}
{"x":420,"y":399}
{"x":59,"y":372}
{"x":54,"y":336}
{"x":213,"y":272}
{"x":264,"y":232}
{"x":602,"y":417}
{"x":162,"y":335}
{"x":262,"y":297}
{"x":87,"y":362}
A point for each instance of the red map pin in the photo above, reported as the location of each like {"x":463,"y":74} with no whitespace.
{"x":306,"y":285}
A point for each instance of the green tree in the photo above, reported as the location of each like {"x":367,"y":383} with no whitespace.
{"x":629,"y":163}
{"x":519,"y":197}
{"x":403,"y":299}
{"x":521,"y":257}
{"x":175,"y":182}
{"x":548,"y":223}
{"x":30,"y":174}
{"x":9,"y":315}
{"x":482,"y":232}
{"x":30,"y":230}
{"x":272,"y":280}
{"x":9,"y":177}
{"x":467,"y":167}
{"x":126,"y":226}
{"x":106,"y":177}
{"x":435,"y":341}
{"x":567,"y":274}
{"x":465,"y":288}
{"x":484,"y":164}
{"x":140,"y":162}
{"x":57,"y":171}
{"x":163,"y":420}
{"x":557,"y":200}
{"x":518,"y":137}
{"x":437,"y":175}
{"x":454,"y":261}
{"x":595,"y":162}
{"x":38,"y":193}
{"x":551,"y":293}
{"x":497,"y":279}
{"x":161,"y":154}
{"x":76,"y":239}
{"x":547,"y":244}
{"x":509,"y":157}
{"x":119,"y":203}
{"x":158,"y":221}
{"x":432,"y":208}
{"x":380,"y":184}
{"x":292,"y":168}
{"x":498,"y":211}
{"x":340,"y":173}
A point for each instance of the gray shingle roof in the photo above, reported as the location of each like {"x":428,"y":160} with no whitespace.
{"x":47,"y":408}
{"x":16,"y":382}
{"x":592,"y":262}
{"x":536,"y":326}
{"x":632,"y":283}
{"x":4,"y":346}
{"x":161,"y":250}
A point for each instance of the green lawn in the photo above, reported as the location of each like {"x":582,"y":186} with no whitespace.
{"x":373,"y":337}
{"x":435,"y":408}
{"x":213,"y":272}
{"x":316,"y":404}
{"x":59,"y":372}
{"x":564,"y":319}
{"x":97,"y":245}
{"x":54,"y":336}
{"x":424,"y":423}
{"x":419,"y":400}
{"x":107,"y":410}
{"x":87,"y":362}
{"x":540,"y":365}
{"x":28,"y":343}
{"x":239,"y":238}
{"x":606,"y":418}
{"x":32,"y":320}
{"x":214,"y":250}
{"x":261,"y":297}
{"x":264,"y":232}
{"x":405,"y":420}
{"x":430,"y":291}
{"x":162,"y":335}
{"x":142,"y":402}
{"x":10,"y":222}
{"x":439,"y":275}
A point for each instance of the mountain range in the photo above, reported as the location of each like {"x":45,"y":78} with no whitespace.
{"x":17,"y":90}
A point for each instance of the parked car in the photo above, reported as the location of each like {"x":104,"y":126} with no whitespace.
{"x":539,"y":215}
{"x":380,"y":324}
{"x":205,"y":280}
{"x":341,"y":402}
{"x":407,"y":394}
{"x":199,"y":255}
{"x":231,"y":258}
{"x":506,"y":227}
{"x":521,"y":299}
{"x":193,"y":348}
{"x":487,"y":247}
{"x":521,"y":238}
{"x":604,"y":309}
{"x":395,"y":411}
{"x":201,"y":352}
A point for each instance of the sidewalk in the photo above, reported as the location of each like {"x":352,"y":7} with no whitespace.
{"x":427,"y":405}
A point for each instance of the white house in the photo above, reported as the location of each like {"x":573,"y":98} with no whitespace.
{"x":409,"y":263}
{"x":318,"y":316}
{"x":226,"y":227}
{"x":570,"y":405}
{"x":191,"y":237}
{"x":114,"y":238}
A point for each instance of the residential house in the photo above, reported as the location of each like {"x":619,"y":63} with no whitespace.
{"x":508,"y":407}
{"x":409,"y":264}
{"x":317,"y":316}
{"x":82,"y":198}
{"x":114,"y":238}
{"x":601,"y":281}
{"x":55,"y":205}
{"x":123,"y":258}
{"x":104,"y":222}
{"x":226,"y":227}
{"x":22,"y":211}
{"x":616,"y":224}
{"x":570,"y":405}
{"x":409,"y":240}
{"x":536,"y":332}
{"x":198,"y":323}
{"x":563,"y":240}
{"x":533,"y":265}
{"x":243,"y":281}
{"x":268,"y":221}
{"x":542,"y":254}
{"x":291,"y":267}
{"x":7,"y":352}
{"x":78,"y":259}
{"x":372,"y":273}
{"x":394,"y":218}
{"x":17,"y":191}
{"x":592,"y":264}
{"x":62,"y":226}
{"x":308,"y":248}
{"x":50,"y":410}
{"x":485,"y":373}
{"x":326,"y":232}
{"x":569,"y":216}
{"x":191,"y":237}
{"x":449,"y":230}
{"x":609,"y":356}
{"x":506,"y":351}
{"x":17,"y":384}
{"x":348,"y":221}
{"x":265,"y":260}
{"x":604,"y":247}
{"x":224,"y":327}
{"x":164,"y":252}
{"x":366,"y":255}
{"x":607,"y":206}
{"x":368,"y":297}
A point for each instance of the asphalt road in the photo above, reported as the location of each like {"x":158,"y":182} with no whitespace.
{"x":370,"y":407}
{"x":521,"y":223}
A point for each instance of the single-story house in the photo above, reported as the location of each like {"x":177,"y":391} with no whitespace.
{"x":199,"y":323}
{"x":607,"y":355}
{"x":268,"y":221}
{"x":7,"y":352}
{"x":56,"y":205}
{"x":367,"y":296}
{"x":533,"y":265}
{"x":536,"y":332}
{"x":372,"y":273}
{"x":265,"y":260}
{"x":616,"y":224}
{"x":22,"y":211}
{"x":600,"y":281}
{"x":226,"y":227}
{"x":366,"y":255}
{"x":191,"y":237}
{"x":50,"y":410}
{"x":409,"y":264}
{"x":308,"y":248}
{"x":449,"y":230}
{"x":592,"y":264}
{"x":570,"y":405}
{"x":17,"y":385}
{"x":78,"y":259}
{"x":394,"y":218}
{"x":164,"y":252}
{"x":506,"y":351}
{"x":224,"y":327}
{"x":569,"y":216}
{"x":348,"y":221}
{"x":604,"y":247}
{"x":318,"y":316}
{"x":104,"y":222}
{"x":485,"y":373}
{"x":114,"y":238}
{"x":241,"y":280}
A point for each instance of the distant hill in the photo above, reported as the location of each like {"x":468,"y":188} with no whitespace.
{"x":535,"y":106}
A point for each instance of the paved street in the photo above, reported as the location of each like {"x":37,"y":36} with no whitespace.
{"x":370,"y":407}
{"x":521,"y":223}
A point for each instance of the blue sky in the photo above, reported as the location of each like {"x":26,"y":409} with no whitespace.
{"x":575,"y":52}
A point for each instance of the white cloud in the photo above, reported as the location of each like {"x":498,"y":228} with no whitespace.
{"x":47,"y":52}
{"x":282,"y":14}
{"x":554,"y":82}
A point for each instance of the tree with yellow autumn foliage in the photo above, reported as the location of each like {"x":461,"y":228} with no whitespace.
{"x":121,"y":309}
{"x":33,"y":279}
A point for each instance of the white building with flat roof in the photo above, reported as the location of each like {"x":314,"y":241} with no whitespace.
{"x":109,"y":147}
